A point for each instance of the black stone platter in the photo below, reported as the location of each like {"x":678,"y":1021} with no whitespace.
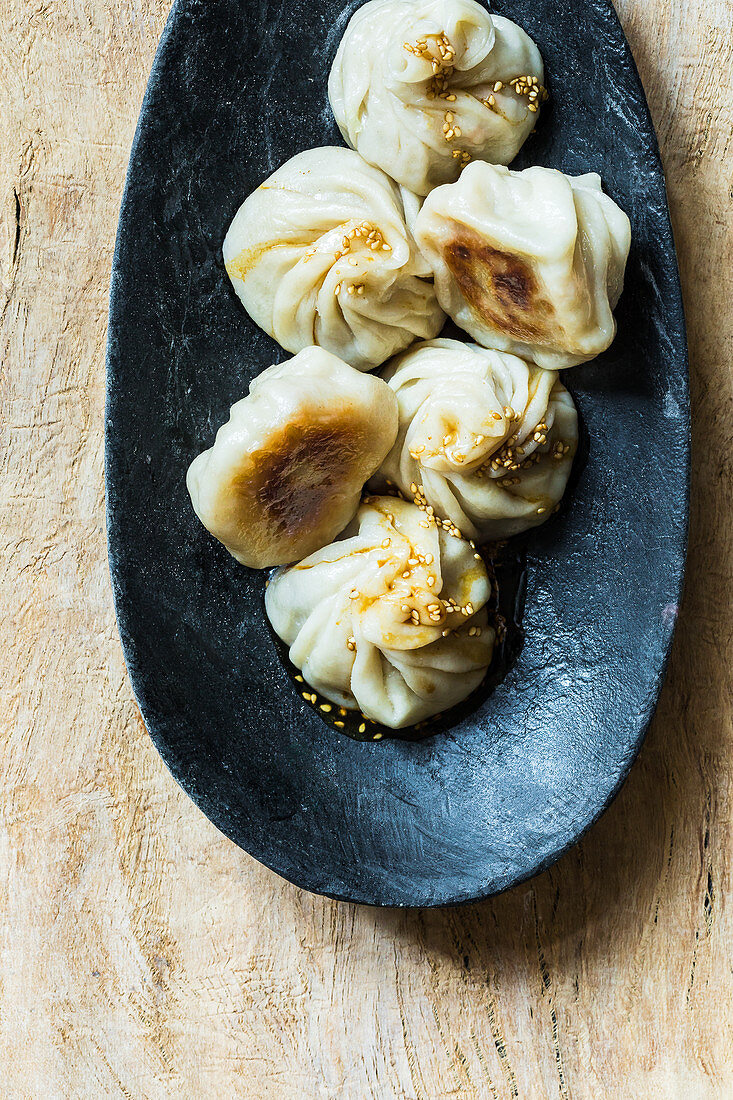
{"x":237,"y":87}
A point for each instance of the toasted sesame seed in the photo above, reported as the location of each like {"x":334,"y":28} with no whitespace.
{"x":299,"y":679}
{"x":326,"y":708}
{"x":339,"y":725}
{"x":362,"y":727}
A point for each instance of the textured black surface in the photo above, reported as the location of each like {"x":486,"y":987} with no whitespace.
{"x":237,"y":87}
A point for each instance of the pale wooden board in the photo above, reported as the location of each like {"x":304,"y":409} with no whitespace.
{"x":142,"y":954}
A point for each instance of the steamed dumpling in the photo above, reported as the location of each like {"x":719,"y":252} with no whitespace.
{"x":392,"y":619}
{"x":420,"y":87}
{"x":286,"y":471}
{"x":484,"y":438}
{"x":320,"y":254}
{"x":529,"y":262}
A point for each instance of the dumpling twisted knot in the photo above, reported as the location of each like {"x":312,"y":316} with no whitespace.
{"x":420,"y":87}
{"x":390,"y":620}
{"x":485,"y":439}
{"x":530,"y":262}
{"x":320,"y":254}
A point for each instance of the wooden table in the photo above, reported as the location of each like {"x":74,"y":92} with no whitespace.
{"x":141,"y":953}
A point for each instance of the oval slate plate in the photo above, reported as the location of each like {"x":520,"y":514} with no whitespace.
{"x":238,"y":87}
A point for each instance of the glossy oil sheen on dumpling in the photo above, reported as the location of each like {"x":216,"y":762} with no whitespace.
{"x":420,"y":87}
{"x":320,"y":254}
{"x":529,"y":262}
{"x":484,"y":438}
{"x":391,"y":620}
{"x":286,"y":471}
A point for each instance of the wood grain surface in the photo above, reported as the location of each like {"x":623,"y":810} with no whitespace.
{"x":141,"y":953}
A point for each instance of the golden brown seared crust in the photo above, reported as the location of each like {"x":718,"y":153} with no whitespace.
{"x":500,"y":288}
{"x":302,"y":474}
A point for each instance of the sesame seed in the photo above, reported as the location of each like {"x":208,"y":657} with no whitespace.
{"x":326,"y":708}
{"x":339,"y":725}
{"x":299,"y":679}
{"x":362,"y":727}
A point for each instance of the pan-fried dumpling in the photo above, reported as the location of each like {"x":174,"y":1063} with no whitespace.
{"x":286,"y":471}
{"x":320,"y":254}
{"x":484,"y":438}
{"x":529,"y":262}
{"x":391,"y":620}
{"x":420,"y":87}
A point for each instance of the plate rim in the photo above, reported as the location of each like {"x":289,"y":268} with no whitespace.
{"x":204,"y":803}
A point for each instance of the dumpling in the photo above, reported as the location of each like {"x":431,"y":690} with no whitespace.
{"x":286,"y":471}
{"x":484,"y":439}
{"x":420,"y":87}
{"x":320,"y":254}
{"x":391,"y":620}
{"x":529,"y":262}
